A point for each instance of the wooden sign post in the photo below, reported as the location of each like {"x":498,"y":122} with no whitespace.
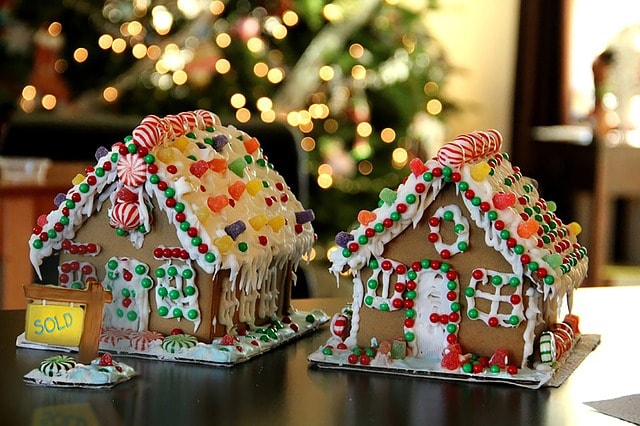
{"x":93,"y":299}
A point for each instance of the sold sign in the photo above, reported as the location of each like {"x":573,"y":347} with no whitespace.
{"x":54,"y":324}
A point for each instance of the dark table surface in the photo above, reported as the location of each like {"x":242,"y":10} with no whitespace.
{"x":281,"y":388}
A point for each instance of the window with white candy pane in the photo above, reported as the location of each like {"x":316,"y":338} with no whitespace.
{"x":500,"y":292}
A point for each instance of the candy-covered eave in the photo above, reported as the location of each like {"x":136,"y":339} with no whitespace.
{"x":550,"y":256}
{"x":521,"y":225}
{"x":74,"y":207}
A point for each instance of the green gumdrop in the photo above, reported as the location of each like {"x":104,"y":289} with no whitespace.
{"x":237,"y":166}
{"x":398,"y":349}
{"x":388,"y":195}
{"x":554,"y":260}
{"x":551,"y":206}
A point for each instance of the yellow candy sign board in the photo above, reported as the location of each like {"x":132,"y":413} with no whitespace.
{"x":54,"y":324}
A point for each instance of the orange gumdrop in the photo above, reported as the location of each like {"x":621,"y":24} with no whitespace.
{"x":218,"y":164}
{"x":528,"y":228}
{"x":251,"y":145}
{"x":236,"y":189}
{"x":217,"y":203}
{"x":365,"y":217}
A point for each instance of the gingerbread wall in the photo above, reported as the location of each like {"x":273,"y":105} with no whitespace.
{"x":412,"y":245}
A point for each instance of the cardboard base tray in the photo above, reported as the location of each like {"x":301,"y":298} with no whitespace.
{"x":222,"y":352}
{"x":431,"y":369}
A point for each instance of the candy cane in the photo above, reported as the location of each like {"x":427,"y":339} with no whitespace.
{"x":206,"y":117}
{"x":146,"y":135}
{"x":175,"y":125}
{"x":469,"y":147}
{"x":189,"y":120}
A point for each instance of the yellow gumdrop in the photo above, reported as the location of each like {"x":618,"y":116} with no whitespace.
{"x":202,"y":213}
{"x":254,"y":186}
{"x":276,"y":223}
{"x":78,"y":179}
{"x":181,"y":143}
{"x":165,"y":155}
{"x":480,"y":171}
{"x":224,"y":243}
{"x":574,"y":228}
{"x":258,"y":221}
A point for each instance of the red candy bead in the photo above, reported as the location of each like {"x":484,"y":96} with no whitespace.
{"x":386,"y":265}
{"x":493,"y":322}
{"x":401,"y":269}
{"x":353,"y":247}
{"x":434,"y":221}
{"x":434,"y":318}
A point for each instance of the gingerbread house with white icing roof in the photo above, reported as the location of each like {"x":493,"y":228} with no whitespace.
{"x":465,"y":259}
{"x":188,"y":225}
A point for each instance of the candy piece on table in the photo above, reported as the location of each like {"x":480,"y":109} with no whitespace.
{"x":217,"y":203}
{"x":254,"y":186}
{"x":417,"y":166}
{"x":235,"y":229}
{"x":219,"y":142}
{"x":388,"y":195}
{"x":236,"y":189}
{"x":343,"y":239}
{"x":528,"y":228}
{"x":305,"y":216}
{"x":237,"y":166}
{"x":480,"y":171}
{"x":574,"y":228}
{"x":365,"y":217}
{"x":101,"y":152}
{"x":503,"y":200}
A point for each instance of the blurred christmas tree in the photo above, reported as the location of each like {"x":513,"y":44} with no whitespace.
{"x":360,"y":80}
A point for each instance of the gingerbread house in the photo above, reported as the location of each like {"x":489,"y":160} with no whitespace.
{"x":188,"y":225}
{"x":465,"y":259}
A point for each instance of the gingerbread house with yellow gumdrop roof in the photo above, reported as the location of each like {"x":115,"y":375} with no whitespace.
{"x":461,"y":269}
{"x":195,"y":234}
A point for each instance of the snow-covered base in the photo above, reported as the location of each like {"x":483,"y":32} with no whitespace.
{"x":226,"y":351}
{"x":94,"y":375}
{"x":428,"y":368}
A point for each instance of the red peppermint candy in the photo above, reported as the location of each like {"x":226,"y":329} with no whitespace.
{"x":132,"y":170}
{"x":125,"y":216}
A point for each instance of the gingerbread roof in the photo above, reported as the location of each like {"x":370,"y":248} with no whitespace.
{"x":517,"y":222}
{"x":230,"y":208}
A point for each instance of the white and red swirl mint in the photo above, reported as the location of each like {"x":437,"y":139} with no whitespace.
{"x":131,"y":170}
{"x":125,"y":216}
{"x":469,"y":147}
